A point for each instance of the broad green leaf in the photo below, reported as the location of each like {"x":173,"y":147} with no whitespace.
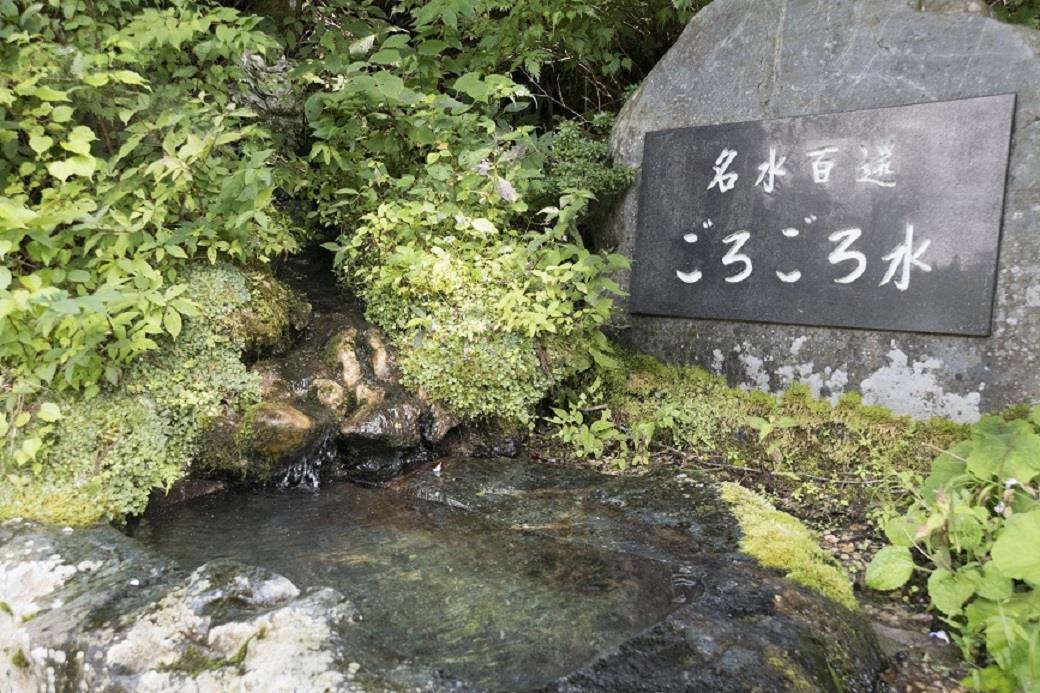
{"x":172,"y":322}
{"x":5,"y":277}
{"x":40,"y":143}
{"x":363,"y":45}
{"x":890,"y":568}
{"x":949,"y":591}
{"x":993,"y":584}
{"x":78,"y":165}
{"x":472,"y":85}
{"x":1015,"y":551}
{"x":15,"y":215}
{"x":484,"y":226}
{"x":49,"y":412}
{"x":61,"y":114}
{"x":45,"y":93}
{"x":1006,"y":450}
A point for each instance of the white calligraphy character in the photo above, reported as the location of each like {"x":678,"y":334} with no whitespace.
{"x":903,"y":258}
{"x":738,"y":239}
{"x":768,"y":171}
{"x":694,"y":276}
{"x":724,"y":179}
{"x":821,"y":164}
{"x":794,"y":275}
{"x":878,"y":169}
{"x":845,"y":238}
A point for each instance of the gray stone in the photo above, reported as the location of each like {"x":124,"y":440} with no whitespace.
{"x":751,"y":59}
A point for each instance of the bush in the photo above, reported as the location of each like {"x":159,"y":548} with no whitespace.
{"x":100,"y":457}
{"x":976,"y":522}
{"x":123,"y":155}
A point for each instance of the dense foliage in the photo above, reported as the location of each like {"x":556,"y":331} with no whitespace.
{"x":140,"y":138}
{"x":976,"y":523}
{"x":123,"y":154}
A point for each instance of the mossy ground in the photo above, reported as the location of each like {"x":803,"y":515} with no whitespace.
{"x":826,"y":464}
{"x":109,"y":451}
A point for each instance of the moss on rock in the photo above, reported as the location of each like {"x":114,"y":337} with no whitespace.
{"x":778,"y":540}
{"x":110,"y":451}
{"x":817,"y":460}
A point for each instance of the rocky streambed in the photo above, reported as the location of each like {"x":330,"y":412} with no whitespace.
{"x":464,"y":575}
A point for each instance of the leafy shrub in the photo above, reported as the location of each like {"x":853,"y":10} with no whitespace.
{"x":424,"y":168}
{"x":102,"y":456}
{"x":977,"y":522}
{"x":123,"y":155}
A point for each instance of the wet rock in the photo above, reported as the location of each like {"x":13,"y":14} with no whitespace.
{"x":330,"y":393}
{"x":367,"y":395}
{"x":390,"y":425}
{"x":185,"y":490}
{"x":278,"y":430}
{"x":273,"y":385}
{"x":342,"y":350}
{"x":485,"y":439}
{"x":92,"y":610}
{"x":438,"y":423}
{"x":260,"y":447}
{"x":380,"y":358}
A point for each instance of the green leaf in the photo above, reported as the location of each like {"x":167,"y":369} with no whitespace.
{"x":890,"y":568}
{"x":993,"y":584}
{"x":949,"y":591}
{"x":78,"y":165}
{"x":472,"y":85}
{"x":49,"y":412}
{"x":45,"y":93}
{"x":61,"y":114}
{"x":172,"y":322}
{"x":1006,"y":450}
{"x":484,"y":226}
{"x":40,"y":143}
{"x":1015,"y":551}
{"x":15,"y":215}
{"x":5,"y":277}
{"x":363,"y":45}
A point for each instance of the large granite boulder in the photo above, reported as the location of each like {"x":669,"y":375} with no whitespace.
{"x":752,"y":59}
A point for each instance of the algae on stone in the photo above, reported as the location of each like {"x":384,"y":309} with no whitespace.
{"x":109,"y":451}
{"x":778,"y":540}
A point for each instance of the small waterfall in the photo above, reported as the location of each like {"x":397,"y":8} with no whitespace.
{"x":305,"y":473}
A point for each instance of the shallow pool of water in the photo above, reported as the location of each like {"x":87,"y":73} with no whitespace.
{"x":496,"y":606}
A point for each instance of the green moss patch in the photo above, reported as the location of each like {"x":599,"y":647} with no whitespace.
{"x":818,"y":461}
{"x":778,"y":540}
{"x":108,"y":452}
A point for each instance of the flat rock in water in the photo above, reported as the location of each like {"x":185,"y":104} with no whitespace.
{"x":741,"y":60}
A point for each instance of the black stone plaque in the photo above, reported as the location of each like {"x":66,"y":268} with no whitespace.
{"x":886,"y":218}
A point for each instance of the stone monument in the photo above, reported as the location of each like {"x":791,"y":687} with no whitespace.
{"x":871,"y":231}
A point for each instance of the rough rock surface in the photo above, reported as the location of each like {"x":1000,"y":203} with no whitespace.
{"x":332,"y":405}
{"x":752,"y":59}
{"x":91,"y":610}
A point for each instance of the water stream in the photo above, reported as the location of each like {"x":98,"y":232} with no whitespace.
{"x":501,"y":608}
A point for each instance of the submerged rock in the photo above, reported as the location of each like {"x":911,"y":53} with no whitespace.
{"x":737,"y":626}
{"x":92,"y":610}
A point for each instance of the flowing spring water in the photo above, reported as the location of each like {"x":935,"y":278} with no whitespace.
{"x":502,"y":608}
